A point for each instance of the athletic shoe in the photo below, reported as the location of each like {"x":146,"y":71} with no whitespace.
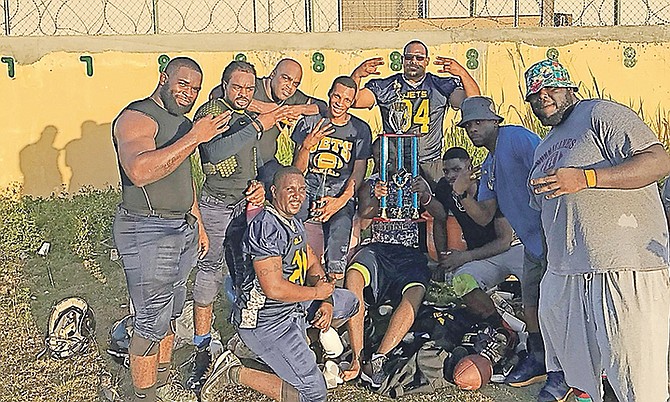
{"x":220,"y":377}
{"x":581,"y":396}
{"x":174,"y":392}
{"x":239,"y":349}
{"x":555,"y":389}
{"x":203,"y":358}
{"x":377,"y":374}
{"x":527,"y":371}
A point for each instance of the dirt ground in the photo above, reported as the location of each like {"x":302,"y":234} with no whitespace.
{"x":110,"y":303}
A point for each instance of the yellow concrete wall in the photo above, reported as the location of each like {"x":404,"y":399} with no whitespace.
{"x":55,"y":120}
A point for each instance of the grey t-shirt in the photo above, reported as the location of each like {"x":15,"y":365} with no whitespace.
{"x":598,"y":230}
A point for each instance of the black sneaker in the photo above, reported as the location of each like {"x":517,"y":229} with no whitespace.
{"x":201,"y":363}
{"x":555,"y":389}
{"x":375,"y":371}
{"x":527,"y":371}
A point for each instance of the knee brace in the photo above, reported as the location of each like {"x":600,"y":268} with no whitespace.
{"x":142,"y":347}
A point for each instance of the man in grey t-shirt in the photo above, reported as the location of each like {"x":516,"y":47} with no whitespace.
{"x":605,"y":299}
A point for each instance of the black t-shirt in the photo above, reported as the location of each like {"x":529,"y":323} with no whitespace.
{"x":475,"y":235}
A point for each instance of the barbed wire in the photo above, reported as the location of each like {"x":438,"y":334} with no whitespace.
{"x":140,"y":17}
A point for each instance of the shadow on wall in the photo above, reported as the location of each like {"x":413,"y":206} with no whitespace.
{"x":91,"y":159}
{"x":39,"y":165}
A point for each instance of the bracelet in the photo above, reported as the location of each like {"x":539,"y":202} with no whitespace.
{"x":459,"y":197}
{"x":591,"y":178}
{"x":430,"y":198}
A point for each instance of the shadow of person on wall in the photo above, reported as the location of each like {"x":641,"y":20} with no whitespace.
{"x":39,"y":165}
{"x":92,"y":158}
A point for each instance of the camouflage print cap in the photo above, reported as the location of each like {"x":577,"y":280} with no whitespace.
{"x":547,"y":73}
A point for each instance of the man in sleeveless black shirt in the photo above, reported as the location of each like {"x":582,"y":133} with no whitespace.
{"x":155,"y":224}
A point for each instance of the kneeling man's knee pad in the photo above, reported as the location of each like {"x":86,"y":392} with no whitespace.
{"x":142,"y":347}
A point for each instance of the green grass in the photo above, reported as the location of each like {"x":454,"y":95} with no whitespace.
{"x":78,"y":227}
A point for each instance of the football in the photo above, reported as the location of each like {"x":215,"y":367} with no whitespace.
{"x":472,"y":372}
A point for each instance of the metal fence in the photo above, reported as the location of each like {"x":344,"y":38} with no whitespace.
{"x":129,"y":17}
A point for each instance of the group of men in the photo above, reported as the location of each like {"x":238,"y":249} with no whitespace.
{"x":591,"y":244}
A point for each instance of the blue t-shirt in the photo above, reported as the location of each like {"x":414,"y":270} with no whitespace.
{"x":505,"y":175}
{"x":427,"y":103}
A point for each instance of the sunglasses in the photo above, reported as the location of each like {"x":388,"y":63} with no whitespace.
{"x":417,"y":57}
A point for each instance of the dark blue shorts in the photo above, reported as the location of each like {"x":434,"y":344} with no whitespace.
{"x":389,"y":270}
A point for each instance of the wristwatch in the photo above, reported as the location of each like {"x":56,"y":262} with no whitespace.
{"x":459,"y":197}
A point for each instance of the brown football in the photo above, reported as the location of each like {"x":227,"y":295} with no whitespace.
{"x":472,"y":372}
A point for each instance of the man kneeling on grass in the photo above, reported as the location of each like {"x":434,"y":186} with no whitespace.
{"x":282,"y":284}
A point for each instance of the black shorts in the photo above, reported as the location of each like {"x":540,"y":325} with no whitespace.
{"x":389,"y":270}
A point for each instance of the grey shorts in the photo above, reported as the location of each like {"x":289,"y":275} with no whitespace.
{"x":515,"y":261}
{"x":614,"y":323}
{"x":212,"y":269}
{"x":158,"y":255}
{"x":493,"y":270}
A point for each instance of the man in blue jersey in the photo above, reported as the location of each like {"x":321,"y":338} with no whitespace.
{"x":503,"y":186}
{"x":333,"y":149}
{"x":283,"y":287}
{"x":427,"y":96}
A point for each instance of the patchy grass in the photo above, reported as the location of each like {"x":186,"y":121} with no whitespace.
{"x":78,"y":227}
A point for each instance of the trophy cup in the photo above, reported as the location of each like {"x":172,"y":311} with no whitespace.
{"x":399,"y":120}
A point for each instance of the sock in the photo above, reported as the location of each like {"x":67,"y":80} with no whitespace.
{"x":145,"y":394}
{"x":163,"y":374}
{"x":535,"y":346}
{"x":376,"y":355}
{"x":202,"y":341}
{"x":234,"y":374}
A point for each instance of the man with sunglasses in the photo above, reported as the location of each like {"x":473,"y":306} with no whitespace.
{"x":503,"y":186}
{"x":426,"y":95}
{"x":230,"y":162}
